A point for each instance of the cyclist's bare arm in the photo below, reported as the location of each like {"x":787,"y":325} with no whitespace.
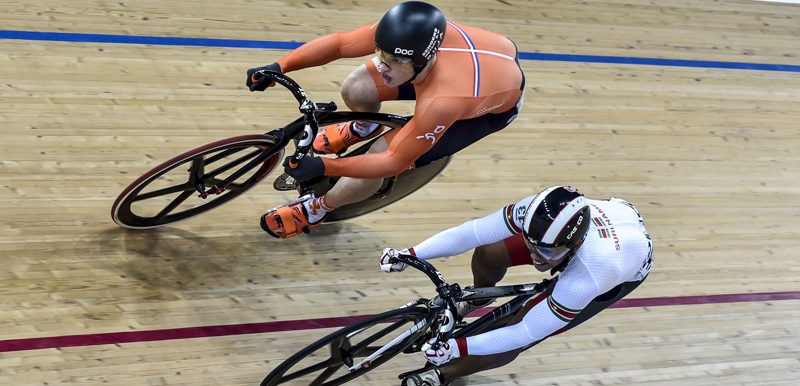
{"x":431,"y":120}
{"x":325,"y":49}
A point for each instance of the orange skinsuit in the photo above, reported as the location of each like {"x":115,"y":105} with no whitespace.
{"x":475,"y":73}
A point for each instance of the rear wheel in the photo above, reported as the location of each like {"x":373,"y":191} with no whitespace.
{"x":191,"y":182}
{"x":393,"y":189}
{"x":363,"y":346}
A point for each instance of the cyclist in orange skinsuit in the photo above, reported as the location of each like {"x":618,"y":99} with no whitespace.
{"x":468,"y":88}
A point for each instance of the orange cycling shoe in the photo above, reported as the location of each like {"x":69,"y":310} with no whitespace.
{"x":288,"y":220}
{"x":337,"y":138}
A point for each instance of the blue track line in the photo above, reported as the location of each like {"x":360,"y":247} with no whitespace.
{"x":266,"y":44}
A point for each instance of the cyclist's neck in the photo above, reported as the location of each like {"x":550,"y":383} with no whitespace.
{"x":425,"y":71}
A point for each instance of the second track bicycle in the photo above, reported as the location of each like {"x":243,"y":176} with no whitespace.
{"x":354,"y":350}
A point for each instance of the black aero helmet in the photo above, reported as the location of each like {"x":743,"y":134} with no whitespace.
{"x":413,"y":29}
{"x":556,"y":221}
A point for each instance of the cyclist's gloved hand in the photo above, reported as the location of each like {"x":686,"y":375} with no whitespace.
{"x":263,"y":83}
{"x":386,"y":265}
{"x":308,"y":168}
{"x":446,"y":352}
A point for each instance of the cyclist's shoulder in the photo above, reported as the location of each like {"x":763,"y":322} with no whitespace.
{"x":514,"y":213}
{"x":458,"y":32}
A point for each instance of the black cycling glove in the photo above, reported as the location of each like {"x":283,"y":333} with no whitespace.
{"x":262,"y":83}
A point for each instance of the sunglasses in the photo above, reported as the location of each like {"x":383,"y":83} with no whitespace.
{"x":548,"y":253}
{"x":552,"y":254}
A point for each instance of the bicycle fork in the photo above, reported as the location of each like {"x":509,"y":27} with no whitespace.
{"x":367,"y":362}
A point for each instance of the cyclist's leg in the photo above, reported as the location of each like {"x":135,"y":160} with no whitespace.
{"x":349,"y":190}
{"x":363,"y":91}
{"x":360,"y":92}
{"x":489,"y":265}
{"x":366,"y":80}
{"x":490,"y":262}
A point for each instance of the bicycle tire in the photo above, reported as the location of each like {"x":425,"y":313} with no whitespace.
{"x":124,"y":216}
{"x":401,"y":319}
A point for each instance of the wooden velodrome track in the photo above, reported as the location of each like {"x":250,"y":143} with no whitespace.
{"x":709,"y":152}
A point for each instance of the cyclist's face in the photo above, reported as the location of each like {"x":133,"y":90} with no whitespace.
{"x":543,"y":262}
{"x":394,"y":70}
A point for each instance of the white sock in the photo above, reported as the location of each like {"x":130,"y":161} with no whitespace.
{"x":316,"y":209}
{"x":364,"y":129}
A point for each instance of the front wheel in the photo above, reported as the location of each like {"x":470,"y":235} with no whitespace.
{"x":354,"y":350}
{"x":196,"y":181}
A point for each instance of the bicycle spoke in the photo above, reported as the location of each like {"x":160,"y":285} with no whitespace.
{"x":174,"y":204}
{"x":367,"y":351}
{"x":229,"y":165}
{"x":221,"y":155}
{"x":231,"y":186}
{"x":357,"y":349}
{"x":308,"y":370}
{"x":326,"y":374}
{"x":334,"y":362}
{"x":164,"y":192}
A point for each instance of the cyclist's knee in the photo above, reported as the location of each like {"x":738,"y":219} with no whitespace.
{"x":359,"y":91}
{"x":507,"y":357}
{"x":379,"y":146}
{"x":491,"y":256}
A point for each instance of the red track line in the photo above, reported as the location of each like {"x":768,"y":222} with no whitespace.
{"x":307,"y":324}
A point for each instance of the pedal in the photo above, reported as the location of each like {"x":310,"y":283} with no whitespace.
{"x":285,"y":183}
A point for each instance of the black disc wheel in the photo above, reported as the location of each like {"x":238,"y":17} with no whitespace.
{"x":392,"y":189}
{"x":352,"y":351}
{"x":196,"y":181}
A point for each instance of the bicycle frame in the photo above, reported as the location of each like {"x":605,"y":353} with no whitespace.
{"x":360,"y":347}
{"x":368,"y":360}
{"x":304,"y":129}
{"x":444,"y":304}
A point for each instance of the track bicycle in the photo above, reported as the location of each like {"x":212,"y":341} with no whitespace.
{"x":354,"y":350}
{"x":208,"y":176}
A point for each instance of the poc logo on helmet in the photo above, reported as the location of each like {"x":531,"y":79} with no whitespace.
{"x":403,"y":51}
